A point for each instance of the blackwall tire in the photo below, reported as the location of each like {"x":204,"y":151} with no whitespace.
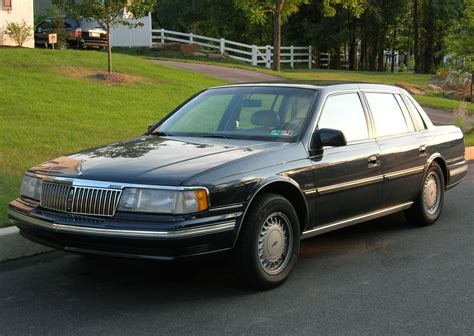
{"x":428,"y":206}
{"x":269,"y":242}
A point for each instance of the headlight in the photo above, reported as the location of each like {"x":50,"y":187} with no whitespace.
{"x":31,"y":187}
{"x":163,"y":201}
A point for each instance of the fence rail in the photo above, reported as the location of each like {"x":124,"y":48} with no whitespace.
{"x":253,"y":54}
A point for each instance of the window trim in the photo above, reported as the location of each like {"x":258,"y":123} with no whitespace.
{"x":406,"y":113}
{"x":371,"y":113}
{"x":418,"y":127}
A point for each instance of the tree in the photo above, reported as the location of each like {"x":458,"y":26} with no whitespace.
{"x":19,"y":32}
{"x":258,"y":11}
{"x":460,"y":43}
{"x":108,"y":13}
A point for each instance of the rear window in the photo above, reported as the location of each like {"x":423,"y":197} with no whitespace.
{"x":89,"y":24}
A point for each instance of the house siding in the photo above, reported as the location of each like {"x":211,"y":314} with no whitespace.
{"x":21,"y":10}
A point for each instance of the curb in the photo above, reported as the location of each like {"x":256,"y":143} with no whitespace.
{"x":469,"y":153}
{"x":14,"y":246}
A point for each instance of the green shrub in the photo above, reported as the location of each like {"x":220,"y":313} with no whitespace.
{"x":19,"y":32}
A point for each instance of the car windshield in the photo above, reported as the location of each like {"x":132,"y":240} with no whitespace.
{"x":263,"y":113}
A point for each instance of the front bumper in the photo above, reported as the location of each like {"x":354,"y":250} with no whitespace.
{"x":138,"y":236}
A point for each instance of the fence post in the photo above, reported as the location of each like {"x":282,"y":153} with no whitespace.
{"x":222,"y":45}
{"x":268,"y":57}
{"x":254,"y":54}
{"x":310,"y":57}
{"x":162,"y":35}
{"x":191,"y":39}
{"x":292,"y":58}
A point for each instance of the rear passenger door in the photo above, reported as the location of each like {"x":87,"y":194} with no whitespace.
{"x":348,"y":179}
{"x":402,"y":146}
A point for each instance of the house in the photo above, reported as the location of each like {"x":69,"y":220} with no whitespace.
{"x":15,"y":11}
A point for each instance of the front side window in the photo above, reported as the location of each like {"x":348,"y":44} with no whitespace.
{"x":388,"y":117}
{"x":269,"y":113}
{"x":344,"y":112}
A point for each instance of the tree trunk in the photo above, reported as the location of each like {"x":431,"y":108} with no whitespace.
{"x":109,"y":51}
{"x":472,"y":79}
{"x":416,"y":37}
{"x":429,"y":27}
{"x":352,"y":46}
{"x":277,"y":34}
{"x":394,"y":39}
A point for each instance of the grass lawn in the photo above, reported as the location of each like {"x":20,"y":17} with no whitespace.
{"x":52,"y":104}
{"x":322,"y":76}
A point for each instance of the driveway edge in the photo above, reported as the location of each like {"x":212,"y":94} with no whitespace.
{"x":14,"y":246}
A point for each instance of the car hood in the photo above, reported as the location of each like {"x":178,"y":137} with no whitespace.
{"x":151,"y":159}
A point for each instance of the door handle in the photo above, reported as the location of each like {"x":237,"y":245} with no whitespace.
{"x":373,"y":161}
{"x":422,"y":149}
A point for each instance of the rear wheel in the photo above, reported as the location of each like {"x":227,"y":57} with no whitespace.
{"x":269,"y":242}
{"x":429,"y":203}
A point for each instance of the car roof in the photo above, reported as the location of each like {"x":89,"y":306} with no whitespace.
{"x":325,"y":88}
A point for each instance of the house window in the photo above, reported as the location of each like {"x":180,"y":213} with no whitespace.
{"x":7,"y":5}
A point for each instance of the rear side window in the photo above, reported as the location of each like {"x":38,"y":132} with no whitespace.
{"x":388,"y":117}
{"x":344,"y":112}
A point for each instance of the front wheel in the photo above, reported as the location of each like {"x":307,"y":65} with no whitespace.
{"x":269,"y":242}
{"x":428,"y":206}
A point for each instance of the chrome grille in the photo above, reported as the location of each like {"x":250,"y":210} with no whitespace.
{"x":80,"y":200}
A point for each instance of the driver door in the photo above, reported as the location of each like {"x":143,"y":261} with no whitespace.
{"x":348,"y":179}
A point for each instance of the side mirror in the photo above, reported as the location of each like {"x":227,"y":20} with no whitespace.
{"x":150,"y":126}
{"x":327,"y":137}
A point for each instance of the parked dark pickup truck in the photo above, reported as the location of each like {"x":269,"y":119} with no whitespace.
{"x":249,"y":169}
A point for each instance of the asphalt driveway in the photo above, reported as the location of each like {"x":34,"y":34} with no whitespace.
{"x":382,"y":277}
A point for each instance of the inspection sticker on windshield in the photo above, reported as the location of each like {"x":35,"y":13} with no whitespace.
{"x":282,"y":132}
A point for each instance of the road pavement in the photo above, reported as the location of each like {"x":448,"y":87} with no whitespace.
{"x":381,"y":277}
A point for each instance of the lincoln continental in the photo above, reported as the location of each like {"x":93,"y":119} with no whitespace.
{"x":249,"y":170}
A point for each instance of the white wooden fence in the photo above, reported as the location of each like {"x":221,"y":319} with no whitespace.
{"x":253,"y":54}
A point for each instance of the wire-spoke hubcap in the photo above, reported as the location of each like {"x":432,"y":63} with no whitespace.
{"x":275,"y":242}
{"x":431,"y":193}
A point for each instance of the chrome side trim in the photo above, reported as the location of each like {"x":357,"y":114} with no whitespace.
{"x":404,"y":172}
{"x":351,"y":184}
{"x":461,"y":163}
{"x":355,"y":220}
{"x":227,"y":207}
{"x":459,"y":170}
{"x":457,"y":158}
{"x":311,"y":191}
{"x":182,"y":233}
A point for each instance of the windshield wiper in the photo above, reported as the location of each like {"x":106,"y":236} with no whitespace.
{"x":158,"y":133}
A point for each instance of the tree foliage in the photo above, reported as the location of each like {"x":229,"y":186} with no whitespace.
{"x":370,"y":32}
{"x":108,"y":13}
